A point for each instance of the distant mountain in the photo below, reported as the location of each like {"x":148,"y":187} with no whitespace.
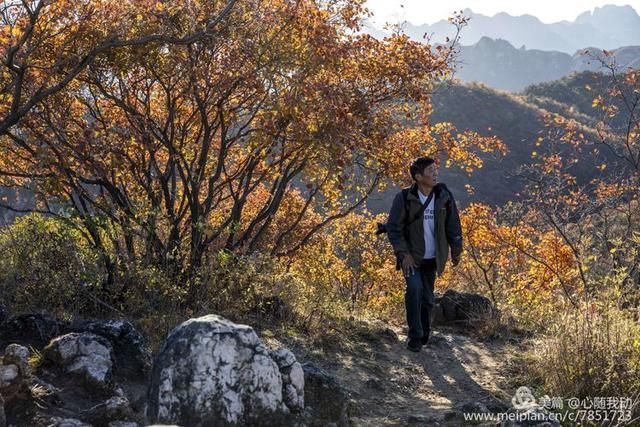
{"x":625,"y":57}
{"x":615,"y":25}
{"x":518,"y":120}
{"x":607,"y":27}
{"x":498,"y":64}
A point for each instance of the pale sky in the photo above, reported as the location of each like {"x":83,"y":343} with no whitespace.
{"x":430,"y":11}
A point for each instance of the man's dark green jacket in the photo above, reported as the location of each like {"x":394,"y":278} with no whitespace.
{"x":410,"y":239}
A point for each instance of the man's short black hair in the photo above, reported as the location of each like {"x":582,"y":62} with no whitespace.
{"x":418,"y":165}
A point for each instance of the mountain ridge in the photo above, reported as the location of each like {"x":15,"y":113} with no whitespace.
{"x":500,"y":65}
{"x":605,"y":27}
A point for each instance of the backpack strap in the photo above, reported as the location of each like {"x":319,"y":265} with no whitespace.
{"x":405,"y":191}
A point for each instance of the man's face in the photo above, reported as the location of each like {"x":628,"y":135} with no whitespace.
{"x":429,"y":175}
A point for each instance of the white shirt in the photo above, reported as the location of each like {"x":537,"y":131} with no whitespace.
{"x":428,"y":223}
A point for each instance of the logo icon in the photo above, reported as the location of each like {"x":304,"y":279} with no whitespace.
{"x":523,"y":399}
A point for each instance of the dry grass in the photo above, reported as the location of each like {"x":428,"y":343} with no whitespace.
{"x":593,"y":351}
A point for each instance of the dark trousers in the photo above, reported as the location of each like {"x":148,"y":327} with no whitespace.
{"x":419,"y":299}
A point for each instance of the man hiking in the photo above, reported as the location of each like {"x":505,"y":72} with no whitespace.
{"x":423,"y":225}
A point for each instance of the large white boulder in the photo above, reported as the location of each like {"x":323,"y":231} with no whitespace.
{"x":211,"y":371}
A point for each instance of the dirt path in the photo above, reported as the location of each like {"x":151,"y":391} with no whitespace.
{"x":391,"y":386}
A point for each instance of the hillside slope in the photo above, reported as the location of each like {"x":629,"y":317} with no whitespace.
{"x":488,"y":112}
{"x":518,"y":119}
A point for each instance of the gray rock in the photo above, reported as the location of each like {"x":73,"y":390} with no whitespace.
{"x":8,"y":375}
{"x":122,"y":424}
{"x":88,"y":356}
{"x":13,"y":385}
{"x":131,"y":350}
{"x":19,"y":356}
{"x":66,"y":422}
{"x":326,"y":400}
{"x":114,"y":409}
{"x":465,"y":309}
{"x":283,"y":357}
{"x":211,"y":371}
{"x":292,"y":378}
{"x":31,"y":329}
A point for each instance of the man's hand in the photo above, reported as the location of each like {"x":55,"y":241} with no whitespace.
{"x":408,"y":265}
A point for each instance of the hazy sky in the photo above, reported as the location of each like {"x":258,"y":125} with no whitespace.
{"x":430,"y":11}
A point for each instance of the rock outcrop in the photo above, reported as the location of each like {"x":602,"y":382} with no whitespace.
{"x":86,"y":356}
{"x":18,"y":355}
{"x":292,"y":378}
{"x":211,"y":371}
{"x":35,"y":329}
{"x":14,"y":378}
{"x":463,"y":309}
{"x":326,"y":399}
{"x":131,"y":350}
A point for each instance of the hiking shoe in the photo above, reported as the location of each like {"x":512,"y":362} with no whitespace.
{"x":424,"y":340}
{"x":413,"y":345}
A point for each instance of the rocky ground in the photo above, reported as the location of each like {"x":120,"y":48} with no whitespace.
{"x":102,"y":373}
{"x":391,"y":386}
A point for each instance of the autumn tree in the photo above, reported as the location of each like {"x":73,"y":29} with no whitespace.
{"x":618,"y":111}
{"x":45,"y":44}
{"x":599,"y":219}
{"x":567,"y":240}
{"x":582,"y":236}
{"x":253,"y":140}
{"x":526,"y":270}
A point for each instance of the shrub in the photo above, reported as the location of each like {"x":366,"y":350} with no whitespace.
{"x":245,"y":288}
{"x":348,"y":271}
{"x":46,"y":265}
